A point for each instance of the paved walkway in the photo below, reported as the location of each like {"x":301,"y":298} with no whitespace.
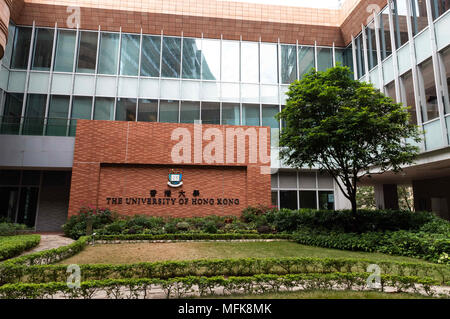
{"x":50,"y":242}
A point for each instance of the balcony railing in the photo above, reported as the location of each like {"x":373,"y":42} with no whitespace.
{"x":37,"y":126}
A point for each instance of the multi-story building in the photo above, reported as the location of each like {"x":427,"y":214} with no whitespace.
{"x":94,"y":96}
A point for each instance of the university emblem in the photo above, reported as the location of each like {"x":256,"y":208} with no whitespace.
{"x":175,"y":178}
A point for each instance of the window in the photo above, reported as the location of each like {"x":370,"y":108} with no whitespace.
{"x":6,"y":60}
{"x":400,"y":15}
{"x":360,"y":56}
{"x":190,"y":111}
{"x":445,"y":61}
{"x":288,"y":64}
{"x":191,"y":58}
{"x":308,"y":199}
{"x":274,"y":196}
{"x":65,"y":48}
{"x":269,"y":63}
{"x":231,"y":114}
{"x":268,"y":116}
{"x":126,"y":109}
{"x":390,"y":91}
{"x":305,"y":60}
{"x":250,"y":114}
{"x":58,"y":114}
{"x":108,"y":54}
{"x":326,"y":200}
{"x":81,"y":109}
{"x":385,"y":34}
{"x":230,"y":61}
{"x":129,"y":54}
{"x":428,"y":91}
{"x":104,"y":108}
{"x":21,"y":49}
{"x":371,"y":45}
{"x":249,"y":62}
{"x":288,"y":199}
{"x":34,"y":114}
{"x":168,"y":111}
{"x":87,"y":52}
{"x":171,"y":57}
{"x":439,"y":7}
{"x":150,"y":56}
{"x":12,"y":113}
{"x":43,"y":48}
{"x":210,"y":113}
{"x":147,"y":110}
{"x":210,"y":60}
{"x":345,"y":57}
{"x":407,"y":88}
{"x":419,"y":19}
{"x":324,"y":59}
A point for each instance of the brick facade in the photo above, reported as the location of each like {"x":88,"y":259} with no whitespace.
{"x":128,"y":160}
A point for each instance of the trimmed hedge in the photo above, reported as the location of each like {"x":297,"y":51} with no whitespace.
{"x":215,"y":267}
{"x":432,"y":247}
{"x":185,"y":286}
{"x":11,"y":246}
{"x":193,"y":236}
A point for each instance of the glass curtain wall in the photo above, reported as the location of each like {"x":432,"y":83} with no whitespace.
{"x":34,"y":114}
{"x":81,"y":109}
{"x":147,"y":110}
{"x":126,"y":109}
{"x":129,"y":54}
{"x":171,"y":57}
{"x":43,"y":48}
{"x":428,"y":91}
{"x":104,"y":108}
{"x":371,"y":45}
{"x":65,"y":48}
{"x":439,"y":7}
{"x":87,"y":51}
{"x":306,"y":60}
{"x":210,"y":59}
{"x":419,"y":19}
{"x":12,"y":113}
{"x":150,"y":56}
{"x":108,"y":53}
{"x":385,"y":34}
{"x":21,"y":49}
{"x":400,"y":16}
{"x":288,"y":63}
{"x":58,"y":115}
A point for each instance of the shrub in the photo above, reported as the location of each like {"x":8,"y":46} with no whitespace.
{"x":183,"y":226}
{"x":210,"y":227}
{"x":11,"y":246}
{"x":10,"y":229}
{"x":76,"y":225}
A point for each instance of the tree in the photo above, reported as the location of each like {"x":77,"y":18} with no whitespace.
{"x":365,"y":197}
{"x":344,"y":127}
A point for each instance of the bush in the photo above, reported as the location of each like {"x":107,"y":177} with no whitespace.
{"x":76,"y":225}
{"x":11,"y":246}
{"x":10,"y":229}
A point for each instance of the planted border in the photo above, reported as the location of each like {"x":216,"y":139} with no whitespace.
{"x":11,"y":246}
{"x":193,"y":236}
{"x":203,"y":286}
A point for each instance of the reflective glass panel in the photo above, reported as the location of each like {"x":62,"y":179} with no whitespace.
{"x":400,"y":26}
{"x":87,"y":52}
{"x":191,"y":58}
{"x":231,"y":114}
{"x":268,"y":116}
{"x":419,"y":20}
{"x":305,"y":60}
{"x":210,"y":113}
{"x":125,"y":109}
{"x":288,"y":64}
{"x":34,"y":114}
{"x":168,"y":111}
{"x":65,"y":49}
{"x":288,"y":199}
{"x":171,"y":57}
{"x":326,"y":200}
{"x":324,"y":59}
{"x":371,"y":45}
{"x":21,"y":48}
{"x":445,"y":59}
{"x":385,"y":34}
{"x":12,"y":113}
{"x":408,"y":95}
{"x":104,"y":108}
{"x":129,"y":54}
{"x":43,"y":48}
{"x":308,"y":199}
{"x":147,"y":110}
{"x":249,"y":62}
{"x":211,"y":59}
{"x":269,"y":63}
{"x":108,"y":54}
{"x":81,"y":109}
{"x":150,"y":56}
{"x":428,"y":90}
{"x":439,"y":7}
{"x":190,"y":111}
{"x":250,"y":114}
{"x":230,"y":61}
{"x":58,"y":113}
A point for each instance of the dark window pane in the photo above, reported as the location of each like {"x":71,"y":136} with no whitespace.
{"x":12,"y":113}
{"x":400,"y":16}
{"x":27,"y":206}
{"x":191,"y":58}
{"x":150,"y":59}
{"x":126,"y":109}
{"x":231,"y":114}
{"x":190,"y":111}
{"x":385,"y":34}
{"x":58,"y":113}
{"x":34,"y":114}
{"x":439,"y":7}
{"x":305,"y":60}
{"x":168,"y":111}
{"x":9,"y":177}
{"x":390,"y":91}
{"x":288,"y":64}
{"x":108,"y":54}
{"x":288,"y":199}
{"x":308,"y":199}
{"x":250,"y":114}
{"x":8,"y":202}
{"x":65,"y":49}
{"x":148,"y":110}
{"x":104,"y":108}
{"x":171,"y":57}
{"x":360,"y":56}
{"x":446,"y":61}
{"x":324,"y":59}
{"x":87,"y":52}
{"x":210,"y":113}
{"x":408,"y":96}
{"x":371,"y":46}
{"x":81,"y":109}
{"x":427,"y":84}
{"x":21,"y":48}
{"x":275,"y":198}
{"x":129,"y":54}
{"x":43,"y":48}
{"x":326,"y":200}
{"x":419,"y":19}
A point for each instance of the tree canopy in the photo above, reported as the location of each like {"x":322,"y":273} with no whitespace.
{"x":344,"y":127}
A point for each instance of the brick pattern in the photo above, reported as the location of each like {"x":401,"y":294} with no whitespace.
{"x":5,"y":6}
{"x":128,"y":159}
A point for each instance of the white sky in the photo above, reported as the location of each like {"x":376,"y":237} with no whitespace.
{"x":329,"y":4}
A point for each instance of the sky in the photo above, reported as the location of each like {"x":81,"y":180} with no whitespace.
{"x":329,"y":4}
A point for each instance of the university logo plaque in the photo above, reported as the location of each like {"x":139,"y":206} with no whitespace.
{"x":175,"y":178}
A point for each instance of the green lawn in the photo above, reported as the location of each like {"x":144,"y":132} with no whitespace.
{"x":147,"y":252}
{"x":325,"y":294}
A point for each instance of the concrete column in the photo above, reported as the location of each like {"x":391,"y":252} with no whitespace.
{"x":386,"y":196}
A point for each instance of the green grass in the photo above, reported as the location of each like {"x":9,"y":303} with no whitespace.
{"x":146,"y":252}
{"x":11,"y":246}
{"x":325,"y":294}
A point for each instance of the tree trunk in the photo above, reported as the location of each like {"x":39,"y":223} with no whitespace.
{"x":353,"y":202}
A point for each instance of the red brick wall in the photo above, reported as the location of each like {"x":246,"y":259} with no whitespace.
{"x":129,"y":159}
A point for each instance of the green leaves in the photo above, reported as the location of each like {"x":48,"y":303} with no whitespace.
{"x":345,"y":127}
{"x":11,"y":246}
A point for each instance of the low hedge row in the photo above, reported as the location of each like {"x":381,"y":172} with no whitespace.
{"x":432,"y":247}
{"x":203,"y":286}
{"x":193,"y":236}
{"x":50,"y":256}
{"x":11,"y":246}
{"x":214,"y":267}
